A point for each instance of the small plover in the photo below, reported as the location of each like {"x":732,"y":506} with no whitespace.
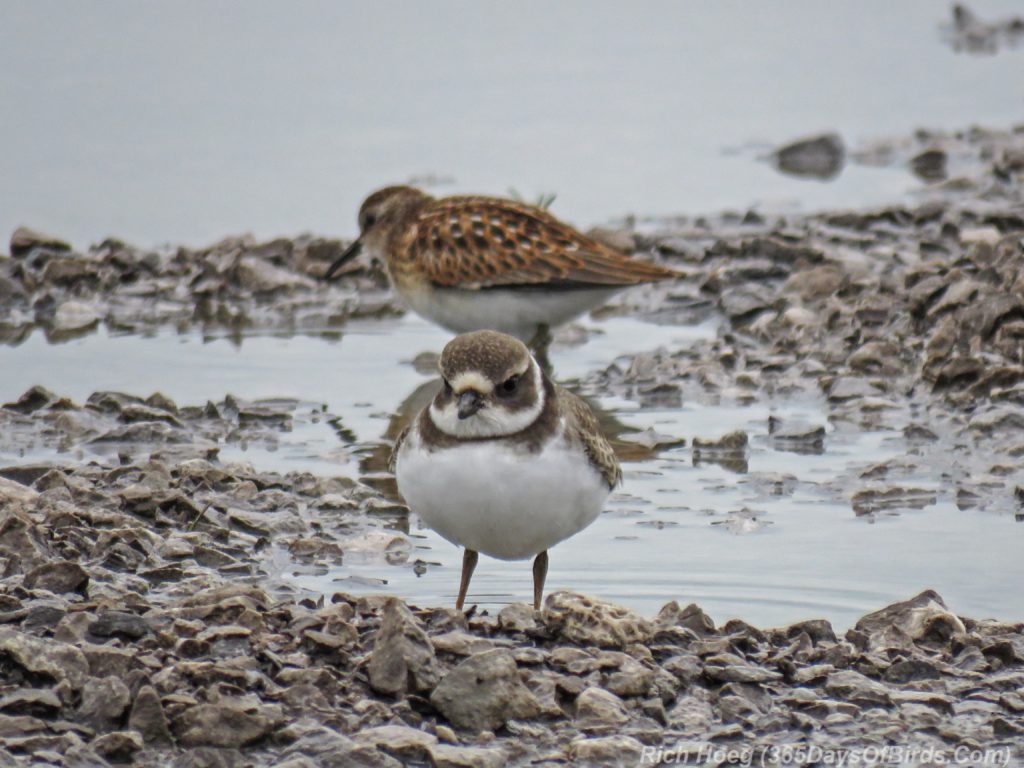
{"x":503,"y":461}
{"x":470,"y":263}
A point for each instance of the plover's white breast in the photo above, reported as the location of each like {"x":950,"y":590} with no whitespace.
{"x":499,"y":499}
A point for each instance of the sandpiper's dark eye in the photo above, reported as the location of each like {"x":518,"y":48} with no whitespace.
{"x":369,"y":220}
{"x":509,"y":385}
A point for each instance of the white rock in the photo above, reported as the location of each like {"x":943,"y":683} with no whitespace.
{"x":75,"y":315}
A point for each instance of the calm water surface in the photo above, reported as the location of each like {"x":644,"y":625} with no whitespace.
{"x":183,"y":122}
{"x":665,"y":535}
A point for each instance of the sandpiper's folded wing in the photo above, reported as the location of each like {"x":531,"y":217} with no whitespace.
{"x":483,"y":242}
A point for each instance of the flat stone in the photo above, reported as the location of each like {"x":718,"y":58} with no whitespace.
{"x":25,"y":239}
{"x":484,"y":691}
{"x":517,"y":617}
{"x":106,"y":660}
{"x":20,"y":725}
{"x":588,"y":621}
{"x":691,"y":617}
{"x":598,"y":707}
{"x":119,"y":624}
{"x":450,"y":756}
{"x":923,"y":616}
{"x":119,"y":746}
{"x":58,"y":577}
{"x":857,"y":688}
{"x":220,"y":725}
{"x":617,"y":750}
{"x":398,"y":740}
{"x":820,"y":157}
{"x":76,"y":316}
{"x":908,"y":670}
{"x":104,"y":701}
{"x":31,"y":701}
{"x":57,"y":660}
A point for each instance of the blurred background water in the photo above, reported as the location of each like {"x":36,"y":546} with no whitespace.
{"x":183,"y":122}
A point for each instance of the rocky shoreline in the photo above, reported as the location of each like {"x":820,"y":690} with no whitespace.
{"x":138,"y":626}
{"x":147,"y":617}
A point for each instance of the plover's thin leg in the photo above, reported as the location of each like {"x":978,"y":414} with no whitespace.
{"x":469,"y":558}
{"x":540,"y":573}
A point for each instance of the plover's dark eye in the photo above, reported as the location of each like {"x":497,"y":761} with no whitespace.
{"x":509,"y":385}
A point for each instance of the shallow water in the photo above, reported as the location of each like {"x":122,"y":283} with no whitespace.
{"x":183,"y":122}
{"x":672,"y":532}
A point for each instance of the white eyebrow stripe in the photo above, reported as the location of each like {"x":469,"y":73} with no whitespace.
{"x":471,"y":380}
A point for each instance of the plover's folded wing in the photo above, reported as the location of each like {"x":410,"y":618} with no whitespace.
{"x":484,"y":242}
{"x":582,"y":426}
{"x":396,"y":447}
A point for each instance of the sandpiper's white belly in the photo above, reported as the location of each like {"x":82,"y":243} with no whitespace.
{"x":517,"y":312}
{"x":503,"y":502}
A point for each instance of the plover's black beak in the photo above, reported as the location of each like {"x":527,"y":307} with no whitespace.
{"x":469,"y":403}
{"x":350,"y":253}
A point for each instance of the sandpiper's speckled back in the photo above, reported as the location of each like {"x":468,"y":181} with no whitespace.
{"x":474,"y":242}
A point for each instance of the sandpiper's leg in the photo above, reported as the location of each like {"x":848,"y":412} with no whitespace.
{"x":469,"y":558}
{"x":540,"y":573}
{"x":540,"y":343}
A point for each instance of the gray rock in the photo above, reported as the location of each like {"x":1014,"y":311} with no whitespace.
{"x":731,"y":442}
{"x":119,"y":624}
{"x":685,"y":667}
{"x":923,"y":617}
{"x":259,"y":276}
{"x":58,"y":577}
{"x":908,"y":670}
{"x":119,"y":746}
{"x":401,"y":741}
{"x":596,"y":707}
{"x":517,"y":617}
{"x":588,"y":621}
{"x":819,"y":630}
{"x":40,"y":702}
{"x":631,"y":679}
{"x":106,"y":660}
{"x":20,"y":725}
{"x":618,"y":751}
{"x":819,"y":157}
{"x":403,"y":657}
{"x":796,"y":436}
{"x":59,"y":661}
{"x":148,"y":719}
{"x":929,"y":165}
{"x":484,"y":691}
{"x":220,"y":725}
{"x":449,"y":756}
{"x":871,"y":500}
{"x":76,"y":316}
{"x":857,"y":688}
{"x":691,"y":617}
{"x":729,"y":668}
{"x":25,"y":239}
{"x":742,"y":303}
{"x":31,"y":401}
{"x":104,"y":701}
